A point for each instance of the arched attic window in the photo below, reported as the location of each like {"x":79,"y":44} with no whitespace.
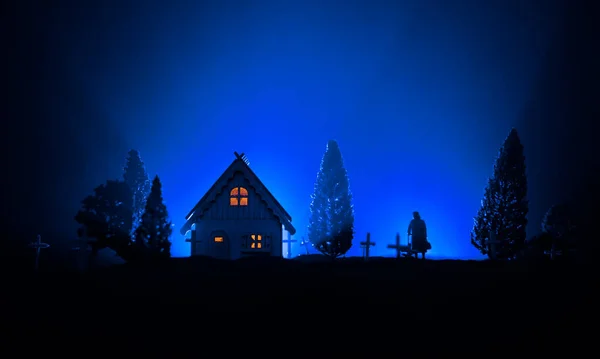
{"x":238,"y":196}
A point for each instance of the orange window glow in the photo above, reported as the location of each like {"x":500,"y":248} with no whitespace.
{"x":256,"y":241}
{"x":219,"y":239}
{"x":238,"y":196}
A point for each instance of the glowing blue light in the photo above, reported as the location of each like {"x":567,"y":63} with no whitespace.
{"x":419,"y":119}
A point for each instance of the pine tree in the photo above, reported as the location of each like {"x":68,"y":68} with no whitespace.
{"x":155,"y":228}
{"x":331,"y":223}
{"x":137,"y":179}
{"x":503,"y":213}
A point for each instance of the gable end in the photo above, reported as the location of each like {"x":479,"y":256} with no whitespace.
{"x":217,"y":189}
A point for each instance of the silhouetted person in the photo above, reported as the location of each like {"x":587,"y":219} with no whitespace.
{"x":418,"y":230}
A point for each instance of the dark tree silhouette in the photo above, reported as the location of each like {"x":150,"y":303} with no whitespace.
{"x":558,"y":221}
{"x":106,"y":217}
{"x":559,"y":224}
{"x":499,"y":229}
{"x":155,"y":228}
{"x":331,"y":223}
{"x":137,"y":179}
{"x":538,"y":246}
{"x":485,"y":220}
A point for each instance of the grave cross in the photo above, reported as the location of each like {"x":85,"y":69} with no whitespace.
{"x":288,"y":243}
{"x":305,"y":244}
{"x":366,"y":245}
{"x":396,"y":246}
{"x":38,"y":246}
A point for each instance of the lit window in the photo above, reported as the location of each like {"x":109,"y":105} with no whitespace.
{"x":218,"y":239}
{"x":255,"y":241}
{"x":238,"y":196}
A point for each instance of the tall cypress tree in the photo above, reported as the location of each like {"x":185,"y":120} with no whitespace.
{"x":486,"y":219}
{"x":331,"y":223}
{"x":503,"y":214}
{"x":137,"y":179}
{"x":155,"y":228}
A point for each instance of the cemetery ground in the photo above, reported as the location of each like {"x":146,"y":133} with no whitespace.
{"x":383,"y":305}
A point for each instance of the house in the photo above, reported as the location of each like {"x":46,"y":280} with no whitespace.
{"x":237,"y":217}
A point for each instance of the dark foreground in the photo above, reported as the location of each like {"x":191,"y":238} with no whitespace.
{"x":383,"y":306}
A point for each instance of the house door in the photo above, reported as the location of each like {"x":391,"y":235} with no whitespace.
{"x":219,"y":245}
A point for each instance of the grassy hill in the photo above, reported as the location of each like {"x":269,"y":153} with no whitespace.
{"x":463,"y":304}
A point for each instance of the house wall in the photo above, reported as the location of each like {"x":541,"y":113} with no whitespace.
{"x":237,"y":234}
{"x":237,"y":223}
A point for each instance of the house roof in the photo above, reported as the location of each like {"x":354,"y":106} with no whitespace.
{"x":239,"y":165}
